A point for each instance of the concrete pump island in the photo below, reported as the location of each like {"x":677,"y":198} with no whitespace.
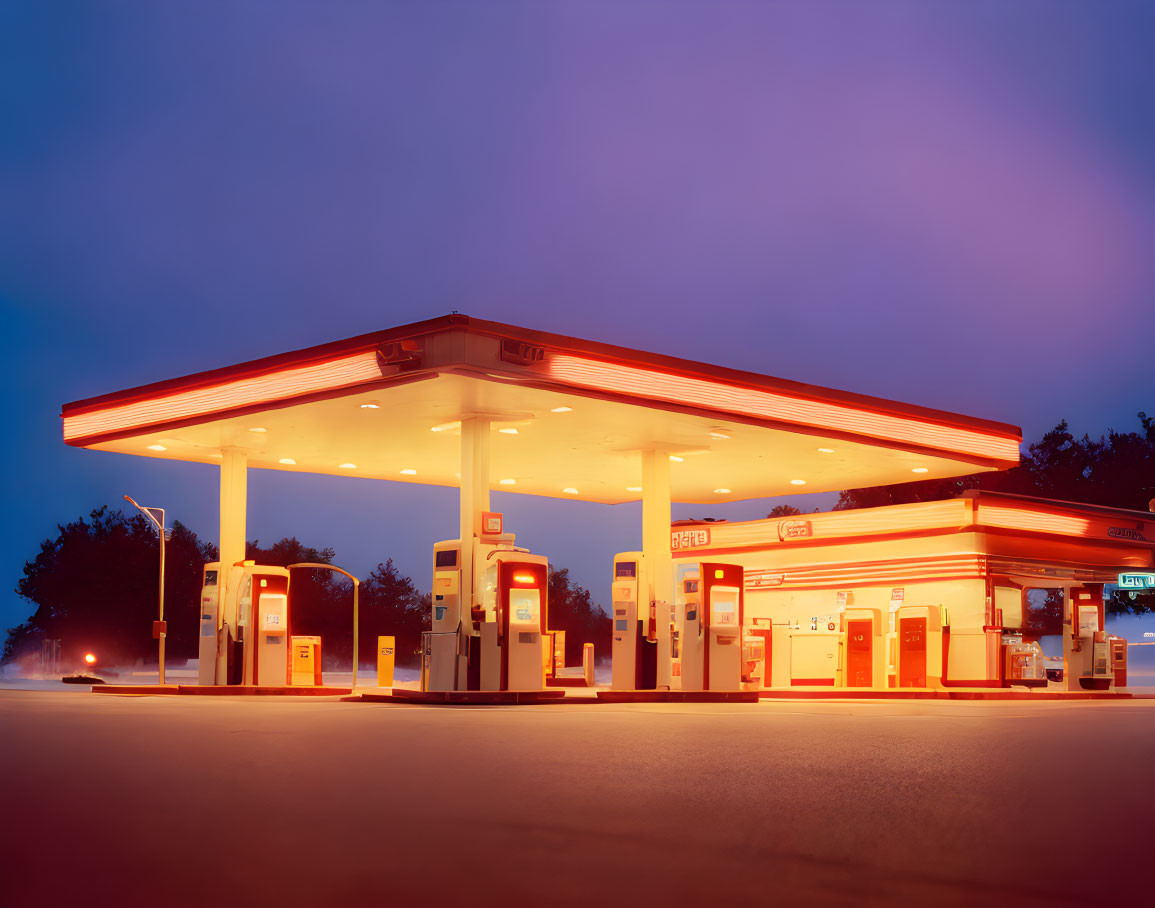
{"x":935,"y":599}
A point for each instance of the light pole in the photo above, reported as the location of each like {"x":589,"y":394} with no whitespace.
{"x":356,"y":588}
{"x":150,"y":513}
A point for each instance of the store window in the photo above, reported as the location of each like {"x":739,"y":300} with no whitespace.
{"x":1043,"y":610}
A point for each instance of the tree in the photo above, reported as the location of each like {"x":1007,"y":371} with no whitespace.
{"x":783,"y":510}
{"x":94,"y":587}
{"x":571,"y":610}
{"x":320,"y":601}
{"x":1116,"y":470}
{"x":392,"y":605}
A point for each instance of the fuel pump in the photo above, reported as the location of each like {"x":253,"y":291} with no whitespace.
{"x":690,"y":637}
{"x":723,"y":600}
{"x":635,"y":631}
{"x":209,"y":625}
{"x":711,"y":635}
{"x":1086,"y":651}
{"x":245,"y":638}
{"x":514,"y":610}
{"x":446,"y":668}
{"x":484,"y":627}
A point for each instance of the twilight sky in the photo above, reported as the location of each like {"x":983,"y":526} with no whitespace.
{"x":951,"y":204}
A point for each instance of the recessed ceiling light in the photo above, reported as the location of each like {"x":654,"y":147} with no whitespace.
{"x":258,"y":429}
{"x":570,"y":491}
{"x":719,"y":435}
{"x":507,"y":482}
{"x":826,"y":450}
{"x":408,"y":472}
{"x":561,"y":410}
{"x":157,"y":448}
{"x":676,"y":459}
{"x":797,"y":482}
{"x":507,"y":431}
{"x":633,"y":488}
{"x":287,"y":461}
{"x":370,"y":406}
{"x":444,"y":427}
{"x":721,"y":491}
{"x":920,"y":470}
{"x":348,"y":466}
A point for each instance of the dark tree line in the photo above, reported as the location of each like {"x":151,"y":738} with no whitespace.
{"x":94,"y":588}
{"x":1115,"y":470}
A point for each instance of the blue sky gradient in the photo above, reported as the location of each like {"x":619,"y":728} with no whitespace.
{"x":951,"y":204}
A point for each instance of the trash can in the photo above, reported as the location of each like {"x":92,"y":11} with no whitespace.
{"x":306,"y":661}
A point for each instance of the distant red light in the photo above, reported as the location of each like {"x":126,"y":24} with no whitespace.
{"x":90,"y":658}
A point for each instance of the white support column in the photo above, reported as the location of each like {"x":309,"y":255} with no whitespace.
{"x":659,"y":579}
{"x":234,"y":507}
{"x":474,"y":500}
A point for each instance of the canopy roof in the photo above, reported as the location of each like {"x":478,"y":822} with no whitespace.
{"x":569,"y":417}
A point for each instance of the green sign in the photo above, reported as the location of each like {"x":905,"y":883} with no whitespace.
{"x":1136,"y":581}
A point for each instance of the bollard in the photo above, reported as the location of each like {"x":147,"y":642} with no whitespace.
{"x":588,"y":663}
{"x":385,"y":660}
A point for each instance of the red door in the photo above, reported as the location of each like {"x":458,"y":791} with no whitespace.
{"x":859,"y":653}
{"x":912,"y":652}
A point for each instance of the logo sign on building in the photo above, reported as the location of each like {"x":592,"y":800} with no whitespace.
{"x":689,"y":538}
{"x":763,"y":579}
{"x":1135,"y":580}
{"x":1126,"y":533}
{"x":794,"y":529}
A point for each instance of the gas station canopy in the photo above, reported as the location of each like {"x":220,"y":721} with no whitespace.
{"x":569,"y":419}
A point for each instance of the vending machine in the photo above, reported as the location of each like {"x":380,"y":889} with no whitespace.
{"x":635,"y":644}
{"x":711,"y":633}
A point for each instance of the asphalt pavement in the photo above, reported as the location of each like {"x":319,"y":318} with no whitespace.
{"x":125,"y":801}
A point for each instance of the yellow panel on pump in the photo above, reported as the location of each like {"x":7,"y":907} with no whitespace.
{"x":386,"y":650}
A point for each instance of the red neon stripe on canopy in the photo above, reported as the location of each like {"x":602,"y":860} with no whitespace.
{"x":647,"y":383}
{"x":287,"y":383}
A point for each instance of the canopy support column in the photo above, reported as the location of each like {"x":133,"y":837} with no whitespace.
{"x":234,"y":507}
{"x":656,"y":549}
{"x":474,"y":500}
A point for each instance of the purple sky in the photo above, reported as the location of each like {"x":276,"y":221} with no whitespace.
{"x":948,"y":204}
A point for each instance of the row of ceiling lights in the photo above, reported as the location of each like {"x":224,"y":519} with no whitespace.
{"x":288,"y":461}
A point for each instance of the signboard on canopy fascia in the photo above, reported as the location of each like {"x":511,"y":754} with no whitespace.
{"x":1136,"y":580}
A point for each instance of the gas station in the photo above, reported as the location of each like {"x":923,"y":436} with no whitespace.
{"x":937,"y":597}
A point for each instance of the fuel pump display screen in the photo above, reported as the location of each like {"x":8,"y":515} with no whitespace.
{"x":210,"y":578}
{"x":625,"y":570}
{"x":446,"y":558}
{"x":724,"y":608}
{"x":525,"y":606}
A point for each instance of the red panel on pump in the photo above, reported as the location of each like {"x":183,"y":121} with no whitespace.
{"x":268,"y":584}
{"x":725,"y":575}
{"x":518,"y":575}
{"x":912,"y":652}
{"x":860,"y":653}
